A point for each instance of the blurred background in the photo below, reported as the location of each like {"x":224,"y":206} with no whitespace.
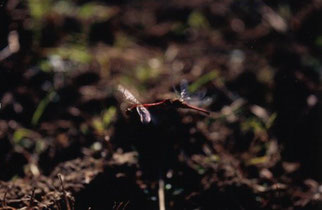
{"x":258,"y":62}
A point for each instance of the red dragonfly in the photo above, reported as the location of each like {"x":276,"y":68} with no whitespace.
{"x":180,"y":102}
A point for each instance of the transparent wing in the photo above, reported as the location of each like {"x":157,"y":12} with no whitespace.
{"x":184,"y":92}
{"x":145,"y":116}
{"x":205,"y":101}
{"x":199,"y":99}
{"x":198,"y":96}
{"x":125,"y":96}
{"x":177,"y":92}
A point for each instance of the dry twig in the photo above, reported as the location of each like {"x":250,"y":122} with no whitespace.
{"x":64,"y":192}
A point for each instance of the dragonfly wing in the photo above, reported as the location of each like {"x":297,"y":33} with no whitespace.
{"x":184,"y":92}
{"x":125,"y":95}
{"x":199,"y":99}
{"x":144,"y":114}
{"x":206,"y":101}
{"x":200,"y":94}
{"x":125,"y":98}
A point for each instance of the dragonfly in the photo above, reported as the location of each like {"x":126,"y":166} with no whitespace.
{"x":183,"y":102}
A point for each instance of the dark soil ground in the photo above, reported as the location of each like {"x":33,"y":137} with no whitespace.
{"x":65,"y":142}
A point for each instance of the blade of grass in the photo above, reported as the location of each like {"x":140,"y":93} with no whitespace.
{"x":203,"y":80}
{"x":41,"y":108}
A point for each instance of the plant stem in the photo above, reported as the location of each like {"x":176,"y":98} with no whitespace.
{"x":161,"y":193}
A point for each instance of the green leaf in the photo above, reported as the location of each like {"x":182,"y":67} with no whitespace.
{"x":38,"y":8}
{"x":108,"y":116}
{"x":198,"y":20}
{"x":20,"y":134}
